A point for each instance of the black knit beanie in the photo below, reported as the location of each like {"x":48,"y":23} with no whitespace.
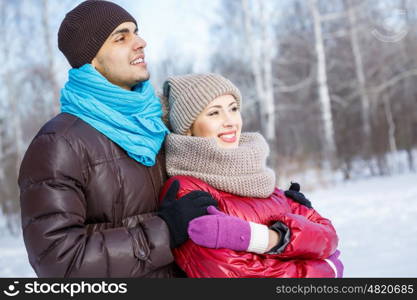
{"x":85,"y":28}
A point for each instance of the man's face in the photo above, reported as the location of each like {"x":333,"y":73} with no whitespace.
{"x":121,"y":59}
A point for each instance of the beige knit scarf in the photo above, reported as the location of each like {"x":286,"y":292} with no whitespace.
{"x":240,"y":171}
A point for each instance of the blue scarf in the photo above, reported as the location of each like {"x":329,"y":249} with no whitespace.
{"x":131,"y":119}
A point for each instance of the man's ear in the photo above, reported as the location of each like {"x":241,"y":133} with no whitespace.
{"x":94,"y":62}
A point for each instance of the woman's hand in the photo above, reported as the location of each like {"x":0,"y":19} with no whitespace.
{"x":295,"y":194}
{"x":218,"y":230}
{"x":274,"y":239}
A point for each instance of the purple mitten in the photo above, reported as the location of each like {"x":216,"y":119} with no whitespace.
{"x":334,"y":258}
{"x":218,"y":230}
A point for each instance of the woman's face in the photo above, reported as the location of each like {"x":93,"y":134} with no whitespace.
{"x":221,"y":119}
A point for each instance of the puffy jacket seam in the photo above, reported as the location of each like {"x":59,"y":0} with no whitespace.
{"x":100,"y":162}
{"x":59,"y":134}
{"x":155,"y":247}
{"x":39,"y":182}
{"x":74,"y":151}
{"x":118,"y":205}
{"x":48,"y":249}
{"x":57,"y":137}
{"x":136,"y":246}
{"x":47,"y":216}
{"x":77,"y":254}
{"x":71,"y":125}
{"x":77,"y":120}
{"x":62,"y":135}
{"x":106,"y":253}
{"x":153,"y":183}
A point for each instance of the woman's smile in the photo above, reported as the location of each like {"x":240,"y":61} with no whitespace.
{"x":228,"y":137}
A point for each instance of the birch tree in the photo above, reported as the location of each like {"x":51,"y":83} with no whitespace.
{"x":50,"y":61}
{"x":3,"y":102}
{"x":11,"y":135}
{"x":323,"y":89}
{"x":360,"y":74}
{"x":260,"y":41}
{"x":407,"y":53}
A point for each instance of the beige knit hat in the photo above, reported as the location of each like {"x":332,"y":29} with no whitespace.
{"x":188,"y":95}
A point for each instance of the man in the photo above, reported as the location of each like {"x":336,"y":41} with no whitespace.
{"x":90,"y":179}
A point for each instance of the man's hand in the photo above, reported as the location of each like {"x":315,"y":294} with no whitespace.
{"x":295,"y":194}
{"x":178,"y":213}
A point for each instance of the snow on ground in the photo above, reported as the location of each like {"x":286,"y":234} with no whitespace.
{"x":13,"y":257}
{"x":376,"y":219}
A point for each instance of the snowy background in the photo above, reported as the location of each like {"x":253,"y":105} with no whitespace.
{"x":376,"y":219}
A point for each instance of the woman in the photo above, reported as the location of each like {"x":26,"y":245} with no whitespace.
{"x":256,"y":231}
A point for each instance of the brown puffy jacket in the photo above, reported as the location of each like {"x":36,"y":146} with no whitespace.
{"x":88,"y":209}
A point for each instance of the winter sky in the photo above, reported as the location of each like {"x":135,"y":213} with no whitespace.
{"x":175,"y":26}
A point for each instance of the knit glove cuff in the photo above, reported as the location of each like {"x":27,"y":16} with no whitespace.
{"x":259,"y":238}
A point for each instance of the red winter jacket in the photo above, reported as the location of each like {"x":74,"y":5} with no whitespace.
{"x":312,"y":238}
